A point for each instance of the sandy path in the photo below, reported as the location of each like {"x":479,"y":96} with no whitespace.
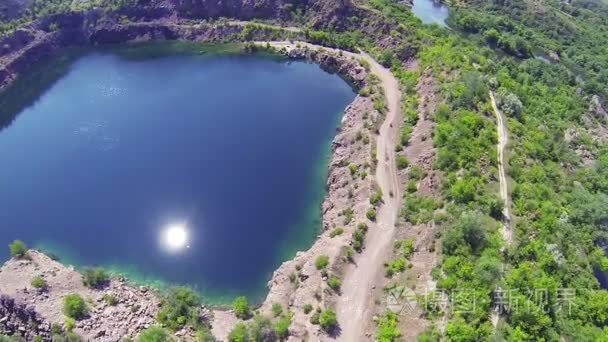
{"x":353,"y":309}
{"x":503,"y":140}
{"x":507,"y":234}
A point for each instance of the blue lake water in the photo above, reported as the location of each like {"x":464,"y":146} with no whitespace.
{"x":233,"y":149}
{"x":431,"y":12}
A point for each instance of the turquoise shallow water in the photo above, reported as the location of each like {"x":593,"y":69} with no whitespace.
{"x":232,"y":148}
{"x":431,"y":12}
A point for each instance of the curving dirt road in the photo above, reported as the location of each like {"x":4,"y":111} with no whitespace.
{"x":503,"y":140}
{"x":354,"y":305}
{"x":353,"y":308}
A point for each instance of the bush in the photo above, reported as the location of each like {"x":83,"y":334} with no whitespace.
{"x":376,"y":197}
{"x":204,"y":335}
{"x":281,"y":326}
{"x":371,"y":214}
{"x":95,"y":277}
{"x":179,"y":308}
{"x":241,"y":307}
{"x":74,"y":306}
{"x":154,"y":334}
{"x":334,"y":283}
{"x":39,"y":283}
{"x":260,"y":329}
{"x":388,"y":330}
{"x":239,"y":333}
{"x":321,"y":262}
{"x":307,"y":308}
{"x":417,"y":173}
{"x":69,"y":324}
{"x":336,"y":231}
{"x":359,"y":237}
{"x":328,"y":319}
{"x":18,"y":249}
{"x":277,"y":309}
{"x":110,"y":299}
{"x":402,"y":162}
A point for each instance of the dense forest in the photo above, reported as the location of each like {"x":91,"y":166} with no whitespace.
{"x":557,"y":168}
{"x":547,"y":62}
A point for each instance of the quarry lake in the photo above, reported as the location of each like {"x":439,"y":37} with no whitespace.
{"x":205,"y":170}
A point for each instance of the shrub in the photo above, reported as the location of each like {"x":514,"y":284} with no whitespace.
{"x":417,"y":172}
{"x":260,"y":329}
{"x":348,"y":213}
{"x":371,"y":214}
{"x":239,"y":333}
{"x":39,"y":283}
{"x":334,"y":283}
{"x":110,"y":299}
{"x":321,"y":262}
{"x":69,"y":324}
{"x":376,"y":197}
{"x":277,"y":309}
{"x":307,"y":308}
{"x":18,"y":249}
{"x":402,"y":162}
{"x":359,"y":237}
{"x":154,"y":334}
{"x":95,"y":277}
{"x":241,"y":307}
{"x":179,"y":308}
{"x":387,"y":328}
{"x":204,"y":335}
{"x":74,"y":306}
{"x":412,"y":186}
{"x":328,"y":319}
{"x":314,"y":318}
{"x":281,"y":326}
{"x":337,"y":231}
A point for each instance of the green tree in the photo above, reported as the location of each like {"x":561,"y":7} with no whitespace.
{"x":95,"y":277}
{"x":281,"y":326}
{"x":74,"y":306}
{"x":18,"y":249}
{"x":334,"y":283}
{"x":388,"y":330}
{"x":204,"y":335}
{"x":180,"y":307}
{"x":154,"y":334}
{"x":321,"y":262}
{"x":239,"y":333}
{"x":328,"y":319}
{"x":260,"y":329}
{"x":39,"y":283}
{"x":277,"y":309}
{"x":241,"y":307}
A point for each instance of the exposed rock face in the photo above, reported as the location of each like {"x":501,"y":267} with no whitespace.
{"x":334,"y":63}
{"x":596,"y":108}
{"x":31,"y":312}
{"x":20,"y":319}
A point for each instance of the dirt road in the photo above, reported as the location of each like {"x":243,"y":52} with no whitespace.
{"x":503,"y":140}
{"x":353,"y":309}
